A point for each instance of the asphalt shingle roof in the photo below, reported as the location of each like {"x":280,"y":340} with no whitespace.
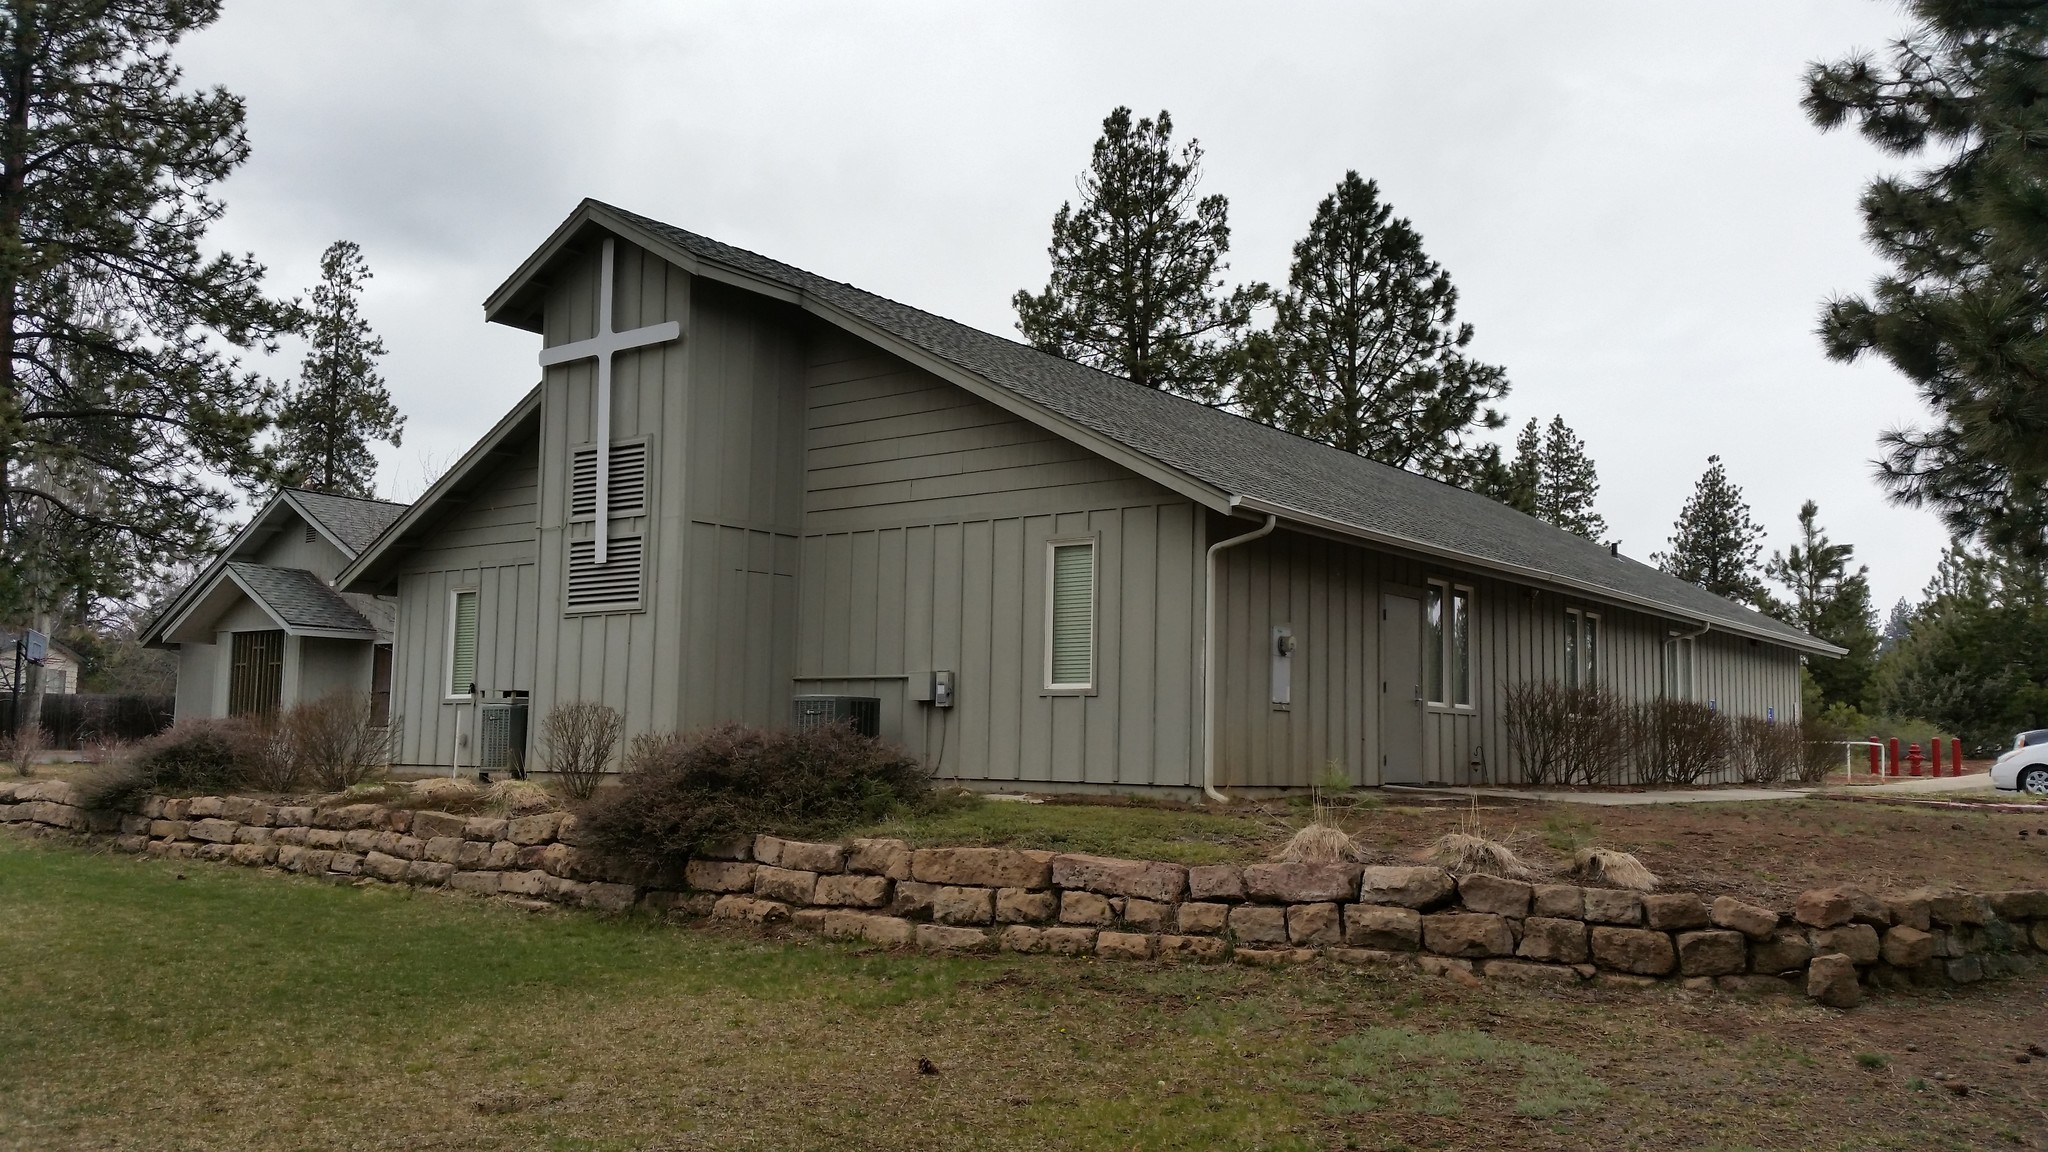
{"x":354,"y":521}
{"x":299,"y":598}
{"x":1241,"y":457}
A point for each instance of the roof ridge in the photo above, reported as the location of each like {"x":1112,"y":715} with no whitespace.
{"x":341,"y":496}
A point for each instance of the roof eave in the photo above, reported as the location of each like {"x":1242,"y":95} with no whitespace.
{"x":152,"y":636}
{"x":1526,"y":575}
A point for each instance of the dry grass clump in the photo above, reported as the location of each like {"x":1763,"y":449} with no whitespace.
{"x":1322,"y":841}
{"x":1472,"y":854}
{"x":439,"y":790}
{"x":519,"y":798}
{"x":1605,"y":867}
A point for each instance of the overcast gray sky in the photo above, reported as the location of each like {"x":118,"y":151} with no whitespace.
{"x":1640,"y":221}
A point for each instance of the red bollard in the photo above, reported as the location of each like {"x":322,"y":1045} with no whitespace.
{"x":1874,"y":753}
{"x":1913,"y":757}
{"x":1934,"y":747}
{"x":1955,"y":755}
{"x":1892,"y":746}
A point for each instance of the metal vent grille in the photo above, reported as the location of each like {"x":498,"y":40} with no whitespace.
{"x":615,"y":584}
{"x":503,"y":743}
{"x":628,"y":481}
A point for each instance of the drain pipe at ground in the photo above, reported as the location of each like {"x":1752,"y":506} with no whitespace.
{"x":1209,"y":660}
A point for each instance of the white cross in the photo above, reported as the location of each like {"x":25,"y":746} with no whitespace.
{"x":602,"y":346}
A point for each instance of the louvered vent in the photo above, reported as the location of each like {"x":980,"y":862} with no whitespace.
{"x":628,"y":481}
{"x":613,"y":584}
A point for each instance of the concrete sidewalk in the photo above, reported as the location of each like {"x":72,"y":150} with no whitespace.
{"x":1977,"y":781}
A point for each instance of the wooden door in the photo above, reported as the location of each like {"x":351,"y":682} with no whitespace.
{"x":256,"y":674}
{"x":1400,"y":690}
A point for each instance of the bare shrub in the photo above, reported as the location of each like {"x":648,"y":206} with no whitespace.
{"x":22,"y":747}
{"x":335,"y":741}
{"x":1762,"y":752}
{"x":1605,"y":867}
{"x":1678,"y":742}
{"x":578,"y":739}
{"x":1563,"y":735}
{"x":195,"y":756}
{"x":681,"y":793}
{"x":270,"y":762}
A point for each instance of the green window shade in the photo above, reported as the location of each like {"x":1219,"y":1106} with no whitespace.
{"x":1073,"y":614}
{"x":462,"y":661}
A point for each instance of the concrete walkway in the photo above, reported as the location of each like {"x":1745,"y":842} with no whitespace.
{"x":1906,"y":786}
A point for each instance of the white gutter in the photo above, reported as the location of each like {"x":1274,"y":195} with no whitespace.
{"x":1209,"y":660}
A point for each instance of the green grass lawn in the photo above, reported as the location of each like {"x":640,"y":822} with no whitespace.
{"x":149,"y":1004}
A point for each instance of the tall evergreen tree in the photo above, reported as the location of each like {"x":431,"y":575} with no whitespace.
{"x":122,"y":408}
{"x":1137,"y":267}
{"x":1567,"y":483}
{"x":1975,"y":657}
{"x":1518,"y":481}
{"x":1714,"y":543}
{"x":1827,"y":600}
{"x":1367,"y":352}
{"x":1963,"y":313}
{"x":1896,"y":625}
{"x":339,"y":404}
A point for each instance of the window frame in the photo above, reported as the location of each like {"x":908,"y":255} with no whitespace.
{"x":1679,"y":666}
{"x":1454,"y":676}
{"x":1093,"y":542}
{"x":1582,"y":645}
{"x":449,"y":696}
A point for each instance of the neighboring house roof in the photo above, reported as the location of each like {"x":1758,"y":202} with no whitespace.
{"x":299,"y":600}
{"x":351,"y":521}
{"x":1224,"y":461}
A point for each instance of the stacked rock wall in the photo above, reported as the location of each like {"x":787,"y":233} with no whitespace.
{"x":1833,"y":943}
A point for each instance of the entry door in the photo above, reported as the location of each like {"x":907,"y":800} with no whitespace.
{"x":1400,"y":690}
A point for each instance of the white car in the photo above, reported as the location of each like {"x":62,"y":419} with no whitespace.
{"x":2025,"y":768}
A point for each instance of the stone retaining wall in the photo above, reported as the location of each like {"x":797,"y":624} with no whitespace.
{"x":1829,"y":945}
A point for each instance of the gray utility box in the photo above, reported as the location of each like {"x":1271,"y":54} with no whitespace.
{"x":503,"y":735}
{"x":864,"y":712}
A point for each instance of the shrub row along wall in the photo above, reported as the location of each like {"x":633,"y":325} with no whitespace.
{"x":1833,"y":942}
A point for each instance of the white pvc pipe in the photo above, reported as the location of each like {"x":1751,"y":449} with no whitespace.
{"x":1209,"y":660}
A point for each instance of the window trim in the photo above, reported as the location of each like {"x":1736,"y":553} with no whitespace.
{"x":1447,"y":649}
{"x":1582,"y":660}
{"x":448,"y":650}
{"x":1679,"y":648}
{"x":1093,"y":541}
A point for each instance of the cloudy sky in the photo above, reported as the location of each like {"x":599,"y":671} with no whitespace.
{"x":1640,"y":221}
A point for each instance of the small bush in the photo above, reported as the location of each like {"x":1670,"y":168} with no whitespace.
{"x":1763,"y":752}
{"x":578,"y":739}
{"x":683,"y":793}
{"x":21,"y":748}
{"x":1678,"y":742}
{"x":195,"y":756}
{"x":1566,"y":735}
{"x":335,"y":741}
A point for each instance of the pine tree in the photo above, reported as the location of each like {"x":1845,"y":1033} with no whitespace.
{"x":1974,"y":659}
{"x":1714,"y":543}
{"x":121,"y":406}
{"x":1896,"y":625}
{"x":1519,"y":480}
{"x":1567,"y":483}
{"x":339,"y":404}
{"x":1963,"y":313}
{"x":1829,"y":601}
{"x":1136,"y":286}
{"x":1367,"y":353}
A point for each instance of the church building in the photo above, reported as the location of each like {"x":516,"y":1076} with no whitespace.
{"x":738,"y":483}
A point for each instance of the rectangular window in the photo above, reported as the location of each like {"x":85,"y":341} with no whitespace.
{"x":1678,"y":668}
{"x":1461,"y":647}
{"x":462,"y":623}
{"x":1070,"y":617}
{"x":1581,"y":648}
{"x":1433,"y":644}
{"x":255,"y":673}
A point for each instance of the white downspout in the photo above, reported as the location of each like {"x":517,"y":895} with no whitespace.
{"x":1209,"y":660}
